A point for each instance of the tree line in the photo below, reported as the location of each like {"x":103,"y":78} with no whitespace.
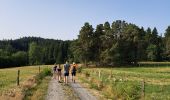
{"x":33,"y":51}
{"x":118,"y":43}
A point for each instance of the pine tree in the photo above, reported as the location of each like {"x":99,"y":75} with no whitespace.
{"x":85,"y":41}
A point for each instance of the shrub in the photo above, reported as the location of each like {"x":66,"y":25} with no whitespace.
{"x":87,"y":74}
{"x":79,"y":69}
{"x":47,"y":72}
{"x":44,"y":73}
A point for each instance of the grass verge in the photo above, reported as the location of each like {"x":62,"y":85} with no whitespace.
{"x":39,"y":89}
{"x":127,"y":83}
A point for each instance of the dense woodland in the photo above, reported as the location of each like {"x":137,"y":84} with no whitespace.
{"x":33,"y":51}
{"x":117,"y":43}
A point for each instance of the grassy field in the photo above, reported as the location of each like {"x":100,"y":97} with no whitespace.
{"x":8,"y":77}
{"x":129,"y":83}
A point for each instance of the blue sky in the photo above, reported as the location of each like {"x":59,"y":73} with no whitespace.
{"x":62,"y":19}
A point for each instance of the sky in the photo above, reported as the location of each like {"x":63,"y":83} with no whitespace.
{"x":63,"y":19}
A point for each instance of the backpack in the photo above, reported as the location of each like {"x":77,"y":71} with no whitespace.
{"x":55,"y":67}
{"x":74,"y":68}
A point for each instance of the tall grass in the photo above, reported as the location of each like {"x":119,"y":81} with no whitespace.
{"x":126,"y":83}
{"x":39,"y":91}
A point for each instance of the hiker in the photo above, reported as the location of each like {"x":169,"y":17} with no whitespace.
{"x":59,"y":73}
{"x":73,"y":71}
{"x":66,"y":72}
{"x":54,"y":71}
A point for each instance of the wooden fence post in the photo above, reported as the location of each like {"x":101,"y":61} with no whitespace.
{"x":39,"y":69}
{"x":99,"y":74}
{"x":110,"y":76}
{"x":18,"y":74}
{"x":143,"y":88}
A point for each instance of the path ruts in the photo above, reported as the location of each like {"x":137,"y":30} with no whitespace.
{"x":57,"y":91}
{"x":82,"y":92}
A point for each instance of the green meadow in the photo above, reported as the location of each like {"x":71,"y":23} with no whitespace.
{"x":129,"y":83}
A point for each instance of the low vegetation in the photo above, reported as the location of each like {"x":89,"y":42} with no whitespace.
{"x":29,"y":78}
{"x":129,"y":83}
{"x":39,"y":91}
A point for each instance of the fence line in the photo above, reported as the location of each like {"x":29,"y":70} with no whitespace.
{"x":100,"y":75}
{"x":18,"y":75}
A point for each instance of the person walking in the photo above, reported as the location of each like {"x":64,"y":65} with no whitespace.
{"x":59,"y":73}
{"x":66,"y":72}
{"x":73,"y":71}
{"x":54,"y":71}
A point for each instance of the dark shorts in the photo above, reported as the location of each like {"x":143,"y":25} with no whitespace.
{"x":66,"y":74}
{"x":59,"y":70}
{"x":73,"y":73}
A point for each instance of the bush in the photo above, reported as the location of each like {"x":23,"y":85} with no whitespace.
{"x":47,"y":72}
{"x":87,"y":74}
{"x":44,"y":73}
{"x":79,"y":69}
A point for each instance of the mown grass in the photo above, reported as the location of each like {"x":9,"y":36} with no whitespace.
{"x":8,"y":76}
{"x":127,"y":83}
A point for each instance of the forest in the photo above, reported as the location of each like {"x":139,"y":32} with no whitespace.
{"x":33,"y":51}
{"x":114,"y":44}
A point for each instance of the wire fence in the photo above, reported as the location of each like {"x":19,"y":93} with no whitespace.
{"x":126,"y":85}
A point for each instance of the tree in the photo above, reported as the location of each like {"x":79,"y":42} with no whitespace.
{"x":85,"y":40}
{"x":148,"y":36}
{"x":167,"y":43}
{"x":96,"y":43}
{"x":154,"y":38}
{"x":20,"y":58}
{"x":142,"y":45}
{"x":106,"y":43}
{"x":167,"y":33}
{"x":35,"y":54}
{"x":60,"y":58}
{"x":152,"y":52}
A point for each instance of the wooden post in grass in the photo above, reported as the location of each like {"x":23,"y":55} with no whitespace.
{"x":143,"y":88}
{"x":18,"y":74}
{"x":39,"y":69}
{"x":110,"y":76}
{"x":99,"y":74}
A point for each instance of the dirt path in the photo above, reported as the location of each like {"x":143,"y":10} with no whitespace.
{"x":82,"y":92}
{"x":59,"y":91}
{"x":56,"y":91}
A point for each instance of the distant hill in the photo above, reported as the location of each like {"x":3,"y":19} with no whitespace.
{"x":52,"y":51}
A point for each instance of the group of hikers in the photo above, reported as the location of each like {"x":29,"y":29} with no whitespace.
{"x":67,"y":68}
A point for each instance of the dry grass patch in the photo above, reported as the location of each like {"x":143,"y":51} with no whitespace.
{"x":8,"y":88}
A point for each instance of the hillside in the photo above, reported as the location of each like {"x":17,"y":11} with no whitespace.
{"x":20,"y":52}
